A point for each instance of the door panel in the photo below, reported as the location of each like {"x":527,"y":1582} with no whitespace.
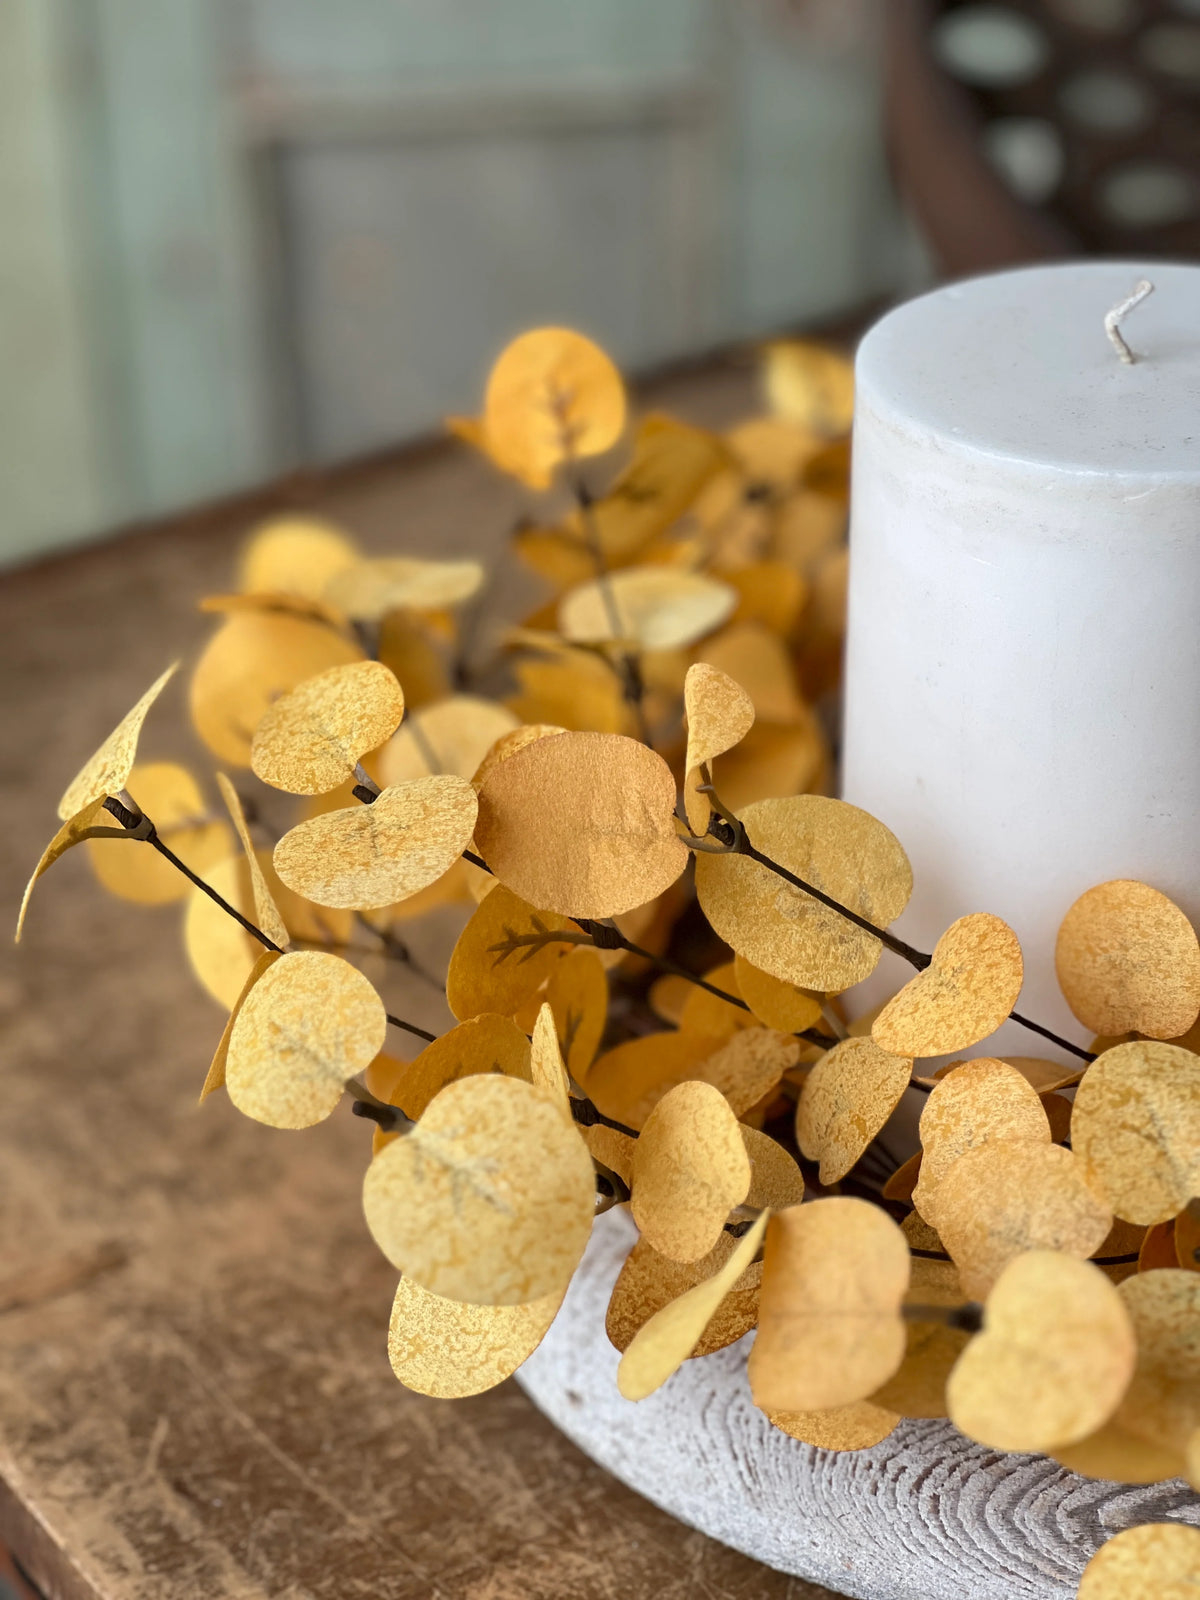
{"x":469,"y":41}
{"x":411,"y":261}
{"x":301,"y":229}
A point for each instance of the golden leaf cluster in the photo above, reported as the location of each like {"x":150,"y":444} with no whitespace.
{"x":645,"y":798}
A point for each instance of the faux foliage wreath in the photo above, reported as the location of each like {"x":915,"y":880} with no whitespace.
{"x":1033,"y":1271}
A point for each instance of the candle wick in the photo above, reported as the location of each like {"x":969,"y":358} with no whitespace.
{"x":1112,"y":322}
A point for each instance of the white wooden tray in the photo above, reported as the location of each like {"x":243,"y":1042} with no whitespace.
{"x":926,"y":1515}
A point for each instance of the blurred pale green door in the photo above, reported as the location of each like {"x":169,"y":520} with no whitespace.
{"x":300,"y":230}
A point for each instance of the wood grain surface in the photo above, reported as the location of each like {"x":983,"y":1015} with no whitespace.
{"x":195,"y":1401}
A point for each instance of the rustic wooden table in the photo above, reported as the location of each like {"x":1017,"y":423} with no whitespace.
{"x":195,"y":1400}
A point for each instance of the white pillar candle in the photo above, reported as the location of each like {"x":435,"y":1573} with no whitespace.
{"x":1023,"y":664}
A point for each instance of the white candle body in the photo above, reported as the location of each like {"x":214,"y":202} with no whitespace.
{"x":1023,"y":662}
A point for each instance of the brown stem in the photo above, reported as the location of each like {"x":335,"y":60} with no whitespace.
{"x":968,"y":1316}
{"x":396,"y":949}
{"x":605,"y":936}
{"x":388,"y":1117}
{"x":588,"y":1115}
{"x":147,"y":831}
{"x":620,"y":942}
{"x":630,"y":671}
{"x":142,"y":825}
{"x":732,"y":833}
{"x":424,"y":744}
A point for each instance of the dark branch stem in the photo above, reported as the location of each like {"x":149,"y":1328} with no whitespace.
{"x":629,"y":668}
{"x":588,"y":1115}
{"x":915,"y":957}
{"x":591,"y":533}
{"x":613,"y":939}
{"x":388,"y":1117}
{"x":423,"y":743}
{"x":397,"y":949}
{"x":411,"y":1027}
{"x":968,"y":1317}
{"x":1097,"y":1261}
{"x":607,"y":936}
{"x":135,"y":822}
{"x":138,"y":822}
{"x":732,"y":834}
{"x":1076,"y":1050}
{"x":392,"y":1120}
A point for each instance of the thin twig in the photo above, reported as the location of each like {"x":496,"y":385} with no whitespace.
{"x":917,"y":958}
{"x":591,"y":533}
{"x":368,"y":791}
{"x":588,"y":1115}
{"x":731,"y":832}
{"x":834,"y":1023}
{"x":620,"y":942}
{"x":145,"y":829}
{"x":470,"y":622}
{"x":1097,"y":1261}
{"x":611,"y":1190}
{"x":607,"y":936}
{"x":140,"y":823}
{"x":423,"y":743}
{"x":386,"y":1116}
{"x":397,"y":949}
{"x":411,"y":1027}
{"x":366,"y":1103}
{"x":630,"y":671}
{"x":968,"y":1316}
{"x":1054,"y":1038}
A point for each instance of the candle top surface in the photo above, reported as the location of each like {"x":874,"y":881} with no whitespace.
{"x":1018,"y":366}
